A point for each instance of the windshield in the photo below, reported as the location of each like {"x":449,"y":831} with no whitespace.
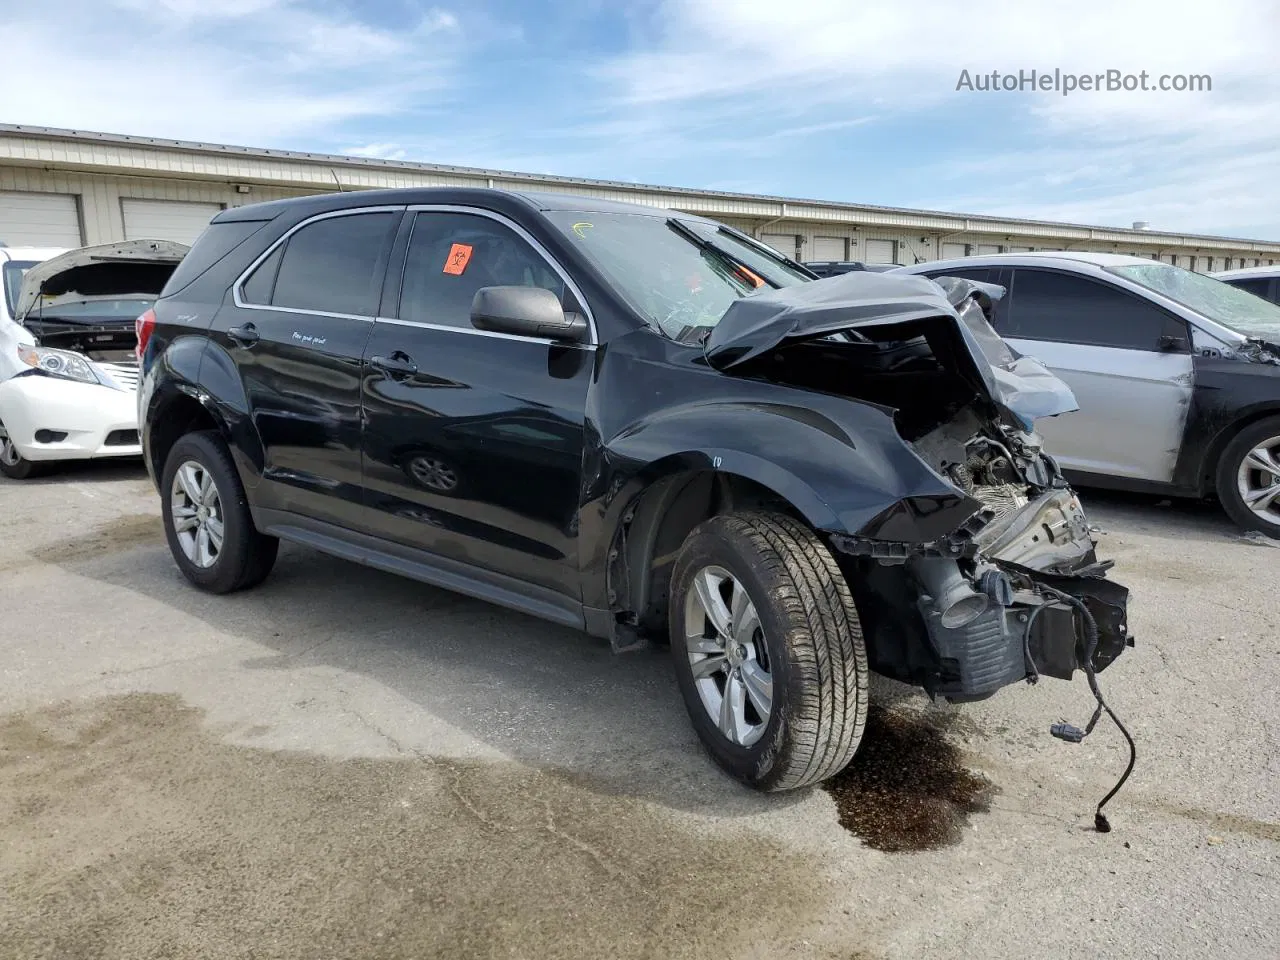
{"x":92,"y":311}
{"x":11,"y":272}
{"x":667,"y":270}
{"x":1221,"y":302}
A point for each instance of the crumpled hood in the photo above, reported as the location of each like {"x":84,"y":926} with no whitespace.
{"x":138,"y":267}
{"x":754,"y":325}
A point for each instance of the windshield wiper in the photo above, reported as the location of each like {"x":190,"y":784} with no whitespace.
{"x":717,"y":251}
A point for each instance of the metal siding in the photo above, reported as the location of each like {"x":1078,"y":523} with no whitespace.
{"x":107,"y":153}
{"x":40,"y":220}
{"x":102,"y":167}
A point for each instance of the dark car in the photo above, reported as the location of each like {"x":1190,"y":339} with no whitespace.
{"x":1177,"y":374}
{"x":835,"y":268}
{"x":643,"y":425}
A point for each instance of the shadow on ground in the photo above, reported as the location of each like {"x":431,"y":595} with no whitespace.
{"x":86,"y":471}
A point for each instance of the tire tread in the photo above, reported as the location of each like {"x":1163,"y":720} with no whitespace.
{"x":824,"y":724}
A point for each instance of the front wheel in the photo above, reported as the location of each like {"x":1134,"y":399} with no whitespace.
{"x":12,"y":463}
{"x":206,"y":518}
{"x":768,"y":650}
{"x":1248,"y":479}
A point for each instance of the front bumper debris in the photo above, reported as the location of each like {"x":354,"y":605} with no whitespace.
{"x":1036,"y":634}
{"x":990,"y":600}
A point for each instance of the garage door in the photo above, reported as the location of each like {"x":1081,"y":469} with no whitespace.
{"x":828,"y":248}
{"x":166,"y":219}
{"x":784,"y":243}
{"x":40,"y":220}
{"x":880,"y":251}
{"x":950,"y":251}
{"x":987,"y":248}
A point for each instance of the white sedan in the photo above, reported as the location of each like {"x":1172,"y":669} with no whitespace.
{"x":68,"y":373}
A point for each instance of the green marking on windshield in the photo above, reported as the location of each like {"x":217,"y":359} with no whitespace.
{"x":580,"y":227}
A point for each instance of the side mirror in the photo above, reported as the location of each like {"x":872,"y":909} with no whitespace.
{"x":1170,"y":344}
{"x":526,"y":312}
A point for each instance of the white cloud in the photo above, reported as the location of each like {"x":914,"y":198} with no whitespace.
{"x":381,"y":151}
{"x":804,"y":65}
{"x":244,"y":71}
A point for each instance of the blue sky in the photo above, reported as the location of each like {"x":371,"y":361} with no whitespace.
{"x":828,"y":98}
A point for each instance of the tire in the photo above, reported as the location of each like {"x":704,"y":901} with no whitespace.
{"x":244,"y":556}
{"x":1241,"y":466}
{"x":13,"y":464}
{"x":810,"y":635}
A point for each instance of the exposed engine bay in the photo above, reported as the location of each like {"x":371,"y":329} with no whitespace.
{"x":1018,"y":592}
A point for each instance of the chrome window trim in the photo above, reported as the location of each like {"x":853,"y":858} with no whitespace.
{"x":237,"y":287}
{"x":529,"y":239}
{"x":473,"y":332}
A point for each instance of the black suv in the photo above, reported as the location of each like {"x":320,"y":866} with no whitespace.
{"x":641,"y":424}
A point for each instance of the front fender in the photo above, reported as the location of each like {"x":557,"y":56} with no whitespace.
{"x":845,"y":474}
{"x":1229,"y":394}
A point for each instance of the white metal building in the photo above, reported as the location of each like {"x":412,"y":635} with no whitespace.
{"x":67,"y":188}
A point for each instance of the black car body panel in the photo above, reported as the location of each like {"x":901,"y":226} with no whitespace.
{"x":559,"y":478}
{"x":1230,"y":392}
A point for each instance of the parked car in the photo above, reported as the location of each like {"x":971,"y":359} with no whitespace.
{"x":834,"y":268}
{"x":1177,"y":374}
{"x":1260,"y":281}
{"x":640,"y":424}
{"x":68,"y":372}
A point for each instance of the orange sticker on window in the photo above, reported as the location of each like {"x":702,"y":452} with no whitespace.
{"x":459,"y":257}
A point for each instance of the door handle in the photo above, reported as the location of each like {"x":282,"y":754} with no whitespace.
{"x":397,"y":366}
{"x":245,"y":336}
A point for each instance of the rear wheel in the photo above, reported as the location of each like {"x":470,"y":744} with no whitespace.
{"x":768,"y":650}
{"x":12,"y":463}
{"x":1248,"y":480}
{"x":207,"y":520}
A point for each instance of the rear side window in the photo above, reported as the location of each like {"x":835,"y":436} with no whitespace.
{"x":333,"y":265}
{"x":217,"y":240}
{"x":1068,"y":309}
{"x":262,"y":282}
{"x":452,"y":255}
{"x":1258,"y":286}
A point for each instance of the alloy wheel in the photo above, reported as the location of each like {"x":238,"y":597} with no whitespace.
{"x":728,"y":655}
{"x":196,"y":507}
{"x":1258,"y":480}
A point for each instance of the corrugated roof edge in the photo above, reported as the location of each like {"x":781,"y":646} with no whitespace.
{"x":59,"y":133}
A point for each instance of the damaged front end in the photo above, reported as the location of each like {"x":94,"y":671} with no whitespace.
{"x":1013,"y":589}
{"x":1016,"y":593}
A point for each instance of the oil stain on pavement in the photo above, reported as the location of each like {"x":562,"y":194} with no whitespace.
{"x":907,"y":788}
{"x":130,"y":830}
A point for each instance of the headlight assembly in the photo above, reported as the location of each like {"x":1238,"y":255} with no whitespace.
{"x":58,"y":363}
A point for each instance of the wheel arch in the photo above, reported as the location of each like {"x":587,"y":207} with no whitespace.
{"x":171,"y":415}
{"x":1208,"y":470}
{"x":658,"y":518}
{"x":194,"y":385}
